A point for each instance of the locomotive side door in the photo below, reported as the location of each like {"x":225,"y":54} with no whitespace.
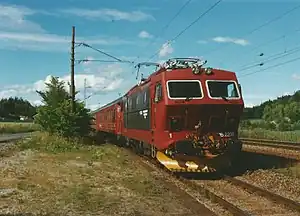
{"x":118,"y":119}
{"x":156,"y":111}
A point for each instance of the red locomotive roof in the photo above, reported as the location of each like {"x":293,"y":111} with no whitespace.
{"x":180,"y":65}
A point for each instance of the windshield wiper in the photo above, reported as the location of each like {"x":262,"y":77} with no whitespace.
{"x":224,"y":98}
{"x":188,"y":98}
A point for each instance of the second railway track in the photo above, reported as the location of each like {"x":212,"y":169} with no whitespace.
{"x":235,"y":196}
{"x":271,"y":143}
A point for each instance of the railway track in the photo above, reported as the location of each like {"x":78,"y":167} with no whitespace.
{"x":252,"y":201}
{"x":4,"y":138}
{"x":271,"y":143}
{"x":237,"y":197}
{"x":7,"y":140}
{"x":289,"y":150}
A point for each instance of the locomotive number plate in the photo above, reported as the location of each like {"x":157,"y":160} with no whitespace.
{"x":226,"y":134}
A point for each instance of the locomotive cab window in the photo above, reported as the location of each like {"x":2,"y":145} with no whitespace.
{"x":184,"y":89}
{"x":220,"y":89}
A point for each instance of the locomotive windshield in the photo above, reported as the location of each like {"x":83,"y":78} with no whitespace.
{"x":222,"y":89}
{"x":184,"y":89}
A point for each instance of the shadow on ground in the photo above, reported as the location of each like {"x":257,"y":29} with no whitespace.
{"x":253,"y":161}
{"x":247,"y":162}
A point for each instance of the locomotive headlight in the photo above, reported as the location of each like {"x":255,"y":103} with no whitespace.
{"x":196,"y":70}
{"x":168,"y":152}
{"x":208,"y":71}
{"x":175,"y":124}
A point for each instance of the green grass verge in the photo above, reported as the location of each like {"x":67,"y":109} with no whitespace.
{"x":52,"y":175}
{"x":258,"y":133}
{"x":17,"y":127}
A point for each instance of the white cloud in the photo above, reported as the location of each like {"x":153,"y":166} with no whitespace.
{"x":24,"y":37}
{"x":105,"y":80}
{"x":165,"y":49}
{"x":250,"y":105}
{"x":144,"y":34}
{"x":108,"y":14}
{"x":13,"y":17}
{"x":17,"y":31}
{"x":50,"y":42}
{"x":296,"y":76}
{"x":237,"y":41}
{"x":286,"y":94}
{"x":37,"y":103}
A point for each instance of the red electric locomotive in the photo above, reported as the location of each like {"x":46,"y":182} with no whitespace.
{"x":184,"y":115}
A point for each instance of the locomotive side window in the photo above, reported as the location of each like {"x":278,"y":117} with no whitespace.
{"x":183,"y":89}
{"x":158,"y":93}
{"x":219,"y":89}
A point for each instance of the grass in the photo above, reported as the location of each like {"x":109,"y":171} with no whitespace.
{"x":293,"y":171}
{"x":55,"y":176}
{"x":269,"y":134}
{"x":17,"y":127}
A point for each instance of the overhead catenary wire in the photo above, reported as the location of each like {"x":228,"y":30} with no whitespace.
{"x":98,"y":60}
{"x":275,"y":39}
{"x":260,"y":26}
{"x":167,"y":25}
{"x":266,"y":43}
{"x":190,"y":25}
{"x":270,"y":67}
{"x":272,"y":58}
{"x":104,"y":53}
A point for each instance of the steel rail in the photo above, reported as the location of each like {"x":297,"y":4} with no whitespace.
{"x":13,"y":137}
{"x":288,"y":143}
{"x":289,"y":147}
{"x":293,"y":205}
{"x":236,"y":211}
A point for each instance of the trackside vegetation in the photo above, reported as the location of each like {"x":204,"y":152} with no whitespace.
{"x":18,"y":127}
{"x":61,"y":170}
{"x":277,"y":119}
{"x":56,"y":115}
{"x":281,"y":114}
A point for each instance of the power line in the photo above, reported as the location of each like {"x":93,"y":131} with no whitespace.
{"x":266,"y":43}
{"x":168,"y":24}
{"x":190,"y":25}
{"x":99,"y":60}
{"x":272,"y":58}
{"x":275,"y":19}
{"x":273,"y":66}
{"x":104,"y":53}
{"x":275,"y":39}
{"x":262,"y":26}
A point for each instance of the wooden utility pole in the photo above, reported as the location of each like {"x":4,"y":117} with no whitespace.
{"x":72,"y":69}
{"x":84,"y":91}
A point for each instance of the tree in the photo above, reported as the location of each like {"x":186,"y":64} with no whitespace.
{"x":56,"y":116}
{"x":12,"y":108}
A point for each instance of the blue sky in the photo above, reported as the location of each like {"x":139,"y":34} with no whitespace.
{"x":35,"y":43}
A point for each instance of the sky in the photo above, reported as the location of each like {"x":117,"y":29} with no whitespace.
{"x":35,"y":43}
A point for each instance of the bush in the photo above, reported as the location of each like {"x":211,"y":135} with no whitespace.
{"x":56,"y":116}
{"x":50,"y":143}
